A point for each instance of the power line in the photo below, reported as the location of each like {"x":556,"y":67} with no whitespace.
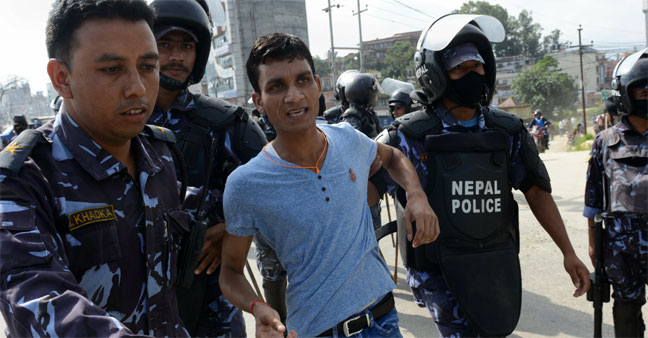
{"x":414,"y":9}
{"x":401,"y":15}
{"x":393,"y":21}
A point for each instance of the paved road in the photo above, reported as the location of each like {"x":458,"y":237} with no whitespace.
{"x":548,"y":308}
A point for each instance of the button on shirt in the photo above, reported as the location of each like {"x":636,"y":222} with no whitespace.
{"x":86,"y":250}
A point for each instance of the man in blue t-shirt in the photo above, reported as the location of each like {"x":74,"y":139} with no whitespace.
{"x":306,"y":195}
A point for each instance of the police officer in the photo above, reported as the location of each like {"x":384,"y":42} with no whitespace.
{"x":469,"y":156}
{"x":333,"y":114}
{"x":542,"y":122}
{"x":400,"y":104}
{"x":90,"y":226}
{"x":19,"y":125}
{"x":617,"y":187}
{"x":214,"y":138}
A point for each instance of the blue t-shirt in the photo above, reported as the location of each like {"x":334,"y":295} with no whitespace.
{"x":319,"y":225}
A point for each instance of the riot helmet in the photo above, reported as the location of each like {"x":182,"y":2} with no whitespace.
{"x":342,"y":80}
{"x":448,"y":32}
{"x":631,"y":72}
{"x":192,"y":17}
{"x":362,"y":90}
{"x":55,"y":106}
{"x":400,"y":99}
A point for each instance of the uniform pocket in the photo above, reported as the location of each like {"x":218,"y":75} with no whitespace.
{"x":92,"y":245}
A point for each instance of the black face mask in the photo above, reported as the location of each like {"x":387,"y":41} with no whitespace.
{"x":467,"y":91}
{"x":640,"y":108}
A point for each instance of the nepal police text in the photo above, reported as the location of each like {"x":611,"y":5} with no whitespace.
{"x":480,"y":203}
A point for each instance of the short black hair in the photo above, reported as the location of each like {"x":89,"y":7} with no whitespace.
{"x":275,"y":46}
{"x":66,"y":16}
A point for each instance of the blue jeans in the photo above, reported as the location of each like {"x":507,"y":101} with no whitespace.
{"x":386,"y":326}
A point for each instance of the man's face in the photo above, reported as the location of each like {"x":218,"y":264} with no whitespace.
{"x":177,"y":55}
{"x":640,"y":91}
{"x":289,"y":95}
{"x":19,"y":128}
{"x":464,"y":68}
{"x":113,"y":79}
{"x":399,"y":111}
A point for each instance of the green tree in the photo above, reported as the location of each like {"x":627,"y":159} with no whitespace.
{"x":529,"y":34}
{"x":350,"y":61}
{"x":322,"y":66}
{"x":553,"y":42}
{"x":511,"y":44}
{"x":399,"y":58}
{"x":545,"y":87}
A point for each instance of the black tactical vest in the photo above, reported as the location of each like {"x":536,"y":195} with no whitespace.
{"x":195,"y":141}
{"x":477,"y":249}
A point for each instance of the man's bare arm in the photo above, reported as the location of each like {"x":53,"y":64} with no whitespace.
{"x":546,"y":212}
{"x":417,"y":209}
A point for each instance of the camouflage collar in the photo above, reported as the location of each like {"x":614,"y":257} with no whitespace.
{"x":92,"y":157}
{"x":184,"y":102}
{"x":624,"y":127}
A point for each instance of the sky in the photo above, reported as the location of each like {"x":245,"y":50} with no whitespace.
{"x":610,"y":25}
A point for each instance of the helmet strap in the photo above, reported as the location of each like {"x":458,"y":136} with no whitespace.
{"x":172,"y":84}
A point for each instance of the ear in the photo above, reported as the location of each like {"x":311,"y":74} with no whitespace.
{"x":319,"y":83}
{"x":258,"y":102}
{"x":59,"y":75}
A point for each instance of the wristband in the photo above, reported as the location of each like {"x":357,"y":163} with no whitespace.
{"x":254,"y":303}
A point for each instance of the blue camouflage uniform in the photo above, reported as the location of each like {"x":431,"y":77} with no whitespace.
{"x":625,"y":238}
{"x":84,"y":249}
{"x":429,"y":287}
{"x":220,"y":317}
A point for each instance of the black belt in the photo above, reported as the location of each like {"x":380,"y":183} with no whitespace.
{"x":354,"y":325}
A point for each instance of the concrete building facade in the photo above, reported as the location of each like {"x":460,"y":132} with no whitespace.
{"x":244,"y":21}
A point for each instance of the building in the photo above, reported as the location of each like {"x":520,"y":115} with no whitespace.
{"x":238,"y":23}
{"x":594,"y":65}
{"x":374,"y":51}
{"x":508,"y":68}
{"x":18,"y":100}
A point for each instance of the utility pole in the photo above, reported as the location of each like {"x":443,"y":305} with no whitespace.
{"x":360,"y":32}
{"x":580,"y":54}
{"x":332,"y":56}
{"x":645,"y":10}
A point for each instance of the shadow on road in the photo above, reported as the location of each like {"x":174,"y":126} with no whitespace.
{"x":551,"y":319}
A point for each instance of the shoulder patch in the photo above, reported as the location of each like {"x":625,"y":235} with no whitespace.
{"x":160,"y":133}
{"x":14,"y":154}
{"x":419,"y":123}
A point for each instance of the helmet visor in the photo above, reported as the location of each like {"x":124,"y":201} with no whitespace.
{"x":391,"y":86}
{"x":441,"y":32}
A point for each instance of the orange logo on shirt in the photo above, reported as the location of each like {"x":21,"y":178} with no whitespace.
{"x":352,"y":175}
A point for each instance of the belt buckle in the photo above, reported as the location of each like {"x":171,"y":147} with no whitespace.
{"x":345,"y":325}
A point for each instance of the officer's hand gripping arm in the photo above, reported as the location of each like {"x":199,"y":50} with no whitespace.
{"x":418,"y":209}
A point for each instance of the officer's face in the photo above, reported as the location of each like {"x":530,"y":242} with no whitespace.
{"x":289,"y":95}
{"x":112,"y":81}
{"x":640,"y":92}
{"x":464,"y":68}
{"x":177,"y":55}
{"x":399,"y":111}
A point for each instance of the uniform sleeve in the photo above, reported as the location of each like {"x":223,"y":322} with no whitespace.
{"x":594,"y":180}
{"x":527,"y":169}
{"x":238,"y":218}
{"x":39,"y":295}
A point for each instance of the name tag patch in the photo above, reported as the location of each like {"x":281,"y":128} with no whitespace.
{"x":84,"y":217}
